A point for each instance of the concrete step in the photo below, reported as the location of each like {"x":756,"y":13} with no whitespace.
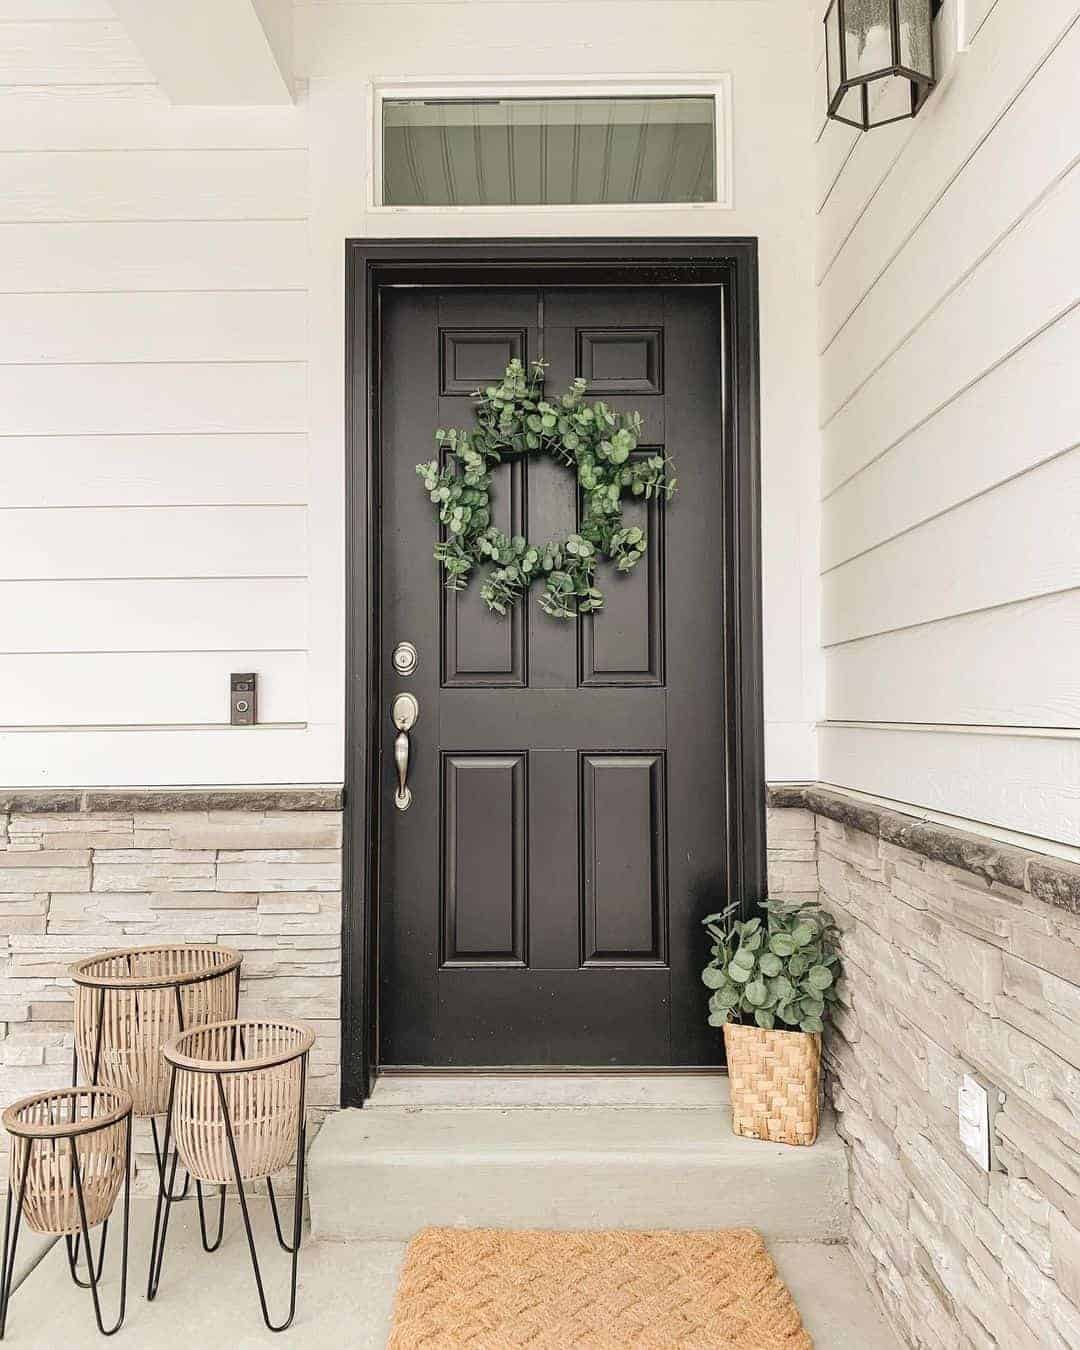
{"x":386,"y":1171}
{"x":496,"y":1092}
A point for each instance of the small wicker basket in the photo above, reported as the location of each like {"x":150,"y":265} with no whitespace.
{"x":46,"y":1129}
{"x":258,"y":1067}
{"x":129,"y":1003}
{"x":775,"y":1081}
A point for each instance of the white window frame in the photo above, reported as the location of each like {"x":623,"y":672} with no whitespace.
{"x":715,"y":86}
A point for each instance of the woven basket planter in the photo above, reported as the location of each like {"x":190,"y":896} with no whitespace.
{"x":45,"y":1130}
{"x":258,"y":1066}
{"x":129,"y":1003}
{"x":775,"y":1081}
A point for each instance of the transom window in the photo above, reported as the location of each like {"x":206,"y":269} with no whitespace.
{"x":549,"y":151}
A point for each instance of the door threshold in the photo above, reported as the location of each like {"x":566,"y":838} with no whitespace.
{"x":456,"y":1090}
{"x":542,"y":1070}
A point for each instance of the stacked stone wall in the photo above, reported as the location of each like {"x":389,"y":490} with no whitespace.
{"x":961,"y":956}
{"x":82,"y":872}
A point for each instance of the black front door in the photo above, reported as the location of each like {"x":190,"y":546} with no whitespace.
{"x":540,"y":899}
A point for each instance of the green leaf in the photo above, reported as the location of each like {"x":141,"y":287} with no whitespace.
{"x":819,"y":977}
{"x":740,"y":974}
{"x":770,"y":964}
{"x":764,"y":1018}
{"x":781,"y":944}
{"x":712,"y":978}
{"x":756,"y":993}
{"x":744,"y":957}
{"x":811,"y":1024}
{"x":803,"y":934}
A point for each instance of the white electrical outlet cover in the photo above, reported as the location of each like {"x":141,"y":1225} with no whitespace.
{"x":974,"y":1113}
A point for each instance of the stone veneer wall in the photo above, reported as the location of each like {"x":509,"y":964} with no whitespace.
{"x":87,"y":870}
{"x":960,"y":955}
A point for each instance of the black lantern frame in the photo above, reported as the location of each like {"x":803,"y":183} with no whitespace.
{"x":851,"y":93}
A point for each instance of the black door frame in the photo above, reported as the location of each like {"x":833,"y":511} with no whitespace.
{"x":730,"y":264}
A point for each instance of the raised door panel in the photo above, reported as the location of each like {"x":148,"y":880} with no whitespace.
{"x":624,"y":643}
{"x":473,"y":357}
{"x":479,"y":650}
{"x":483,"y":860}
{"x":621,"y":360}
{"x":623,"y":833}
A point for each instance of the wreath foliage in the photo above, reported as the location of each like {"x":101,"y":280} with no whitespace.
{"x":513,"y":418}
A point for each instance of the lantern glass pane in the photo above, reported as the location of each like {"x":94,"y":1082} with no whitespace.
{"x":851,"y":106}
{"x":917,"y":37}
{"x":890,"y":99}
{"x":867,"y":36}
{"x":832,"y":49}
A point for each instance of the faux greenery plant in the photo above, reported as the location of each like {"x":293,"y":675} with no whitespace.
{"x":780,"y":972}
{"x":592,"y":440}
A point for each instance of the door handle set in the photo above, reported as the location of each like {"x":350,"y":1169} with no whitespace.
{"x":404,"y":711}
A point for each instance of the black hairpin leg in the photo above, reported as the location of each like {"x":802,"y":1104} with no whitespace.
{"x":71,"y":1242}
{"x":298,"y":1204}
{"x":277,"y":1222}
{"x":84,"y":1233}
{"x":165,"y":1198}
{"x":209,"y":1246}
{"x":95,"y":1069}
{"x":161,"y":1160}
{"x":11,"y":1237}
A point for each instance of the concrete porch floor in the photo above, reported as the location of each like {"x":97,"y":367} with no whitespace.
{"x":346,"y":1293}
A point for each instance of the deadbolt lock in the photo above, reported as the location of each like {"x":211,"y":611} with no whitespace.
{"x":406,"y":658}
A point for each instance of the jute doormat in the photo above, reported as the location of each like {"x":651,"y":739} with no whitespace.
{"x":494,"y":1289}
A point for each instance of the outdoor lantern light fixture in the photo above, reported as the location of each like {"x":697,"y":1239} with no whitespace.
{"x":879,"y":59}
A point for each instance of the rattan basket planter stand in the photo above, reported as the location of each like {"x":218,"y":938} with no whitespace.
{"x":70,"y":1154}
{"x":127,"y":1005}
{"x":236,"y":1114}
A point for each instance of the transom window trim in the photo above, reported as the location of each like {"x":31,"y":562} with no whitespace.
{"x":716,"y":86}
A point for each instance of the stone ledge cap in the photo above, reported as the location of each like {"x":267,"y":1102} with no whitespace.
{"x":1051,"y":880}
{"x":32,"y":801}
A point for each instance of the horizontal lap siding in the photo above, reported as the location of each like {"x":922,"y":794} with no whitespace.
{"x":949,"y":305}
{"x":153,"y":418}
{"x":40,"y":689}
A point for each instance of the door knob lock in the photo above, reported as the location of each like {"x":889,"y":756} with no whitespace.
{"x":404,"y":711}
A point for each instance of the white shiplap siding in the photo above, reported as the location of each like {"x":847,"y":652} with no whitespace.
{"x":154,"y":472}
{"x":172,"y":362}
{"x":949,"y":327}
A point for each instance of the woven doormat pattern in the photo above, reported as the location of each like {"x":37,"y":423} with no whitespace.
{"x":494,"y":1289}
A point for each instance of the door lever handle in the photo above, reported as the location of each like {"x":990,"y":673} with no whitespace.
{"x":404,"y":711}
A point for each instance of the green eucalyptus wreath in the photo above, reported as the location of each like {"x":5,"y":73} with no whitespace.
{"x":514,"y":418}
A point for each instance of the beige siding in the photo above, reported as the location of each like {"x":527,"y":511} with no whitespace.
{"x":947,"y":293}
{"x":153,"y":438}
{"x":172,"y":363}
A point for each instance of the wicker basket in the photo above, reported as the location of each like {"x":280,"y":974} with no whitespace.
{"x":45,"y":1129}
{"x":775,"y":1083}
{"x":129,"y":1003}
{"x":259,"y":1067}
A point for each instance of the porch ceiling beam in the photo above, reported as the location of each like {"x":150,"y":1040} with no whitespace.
{"x":214,"y":52}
